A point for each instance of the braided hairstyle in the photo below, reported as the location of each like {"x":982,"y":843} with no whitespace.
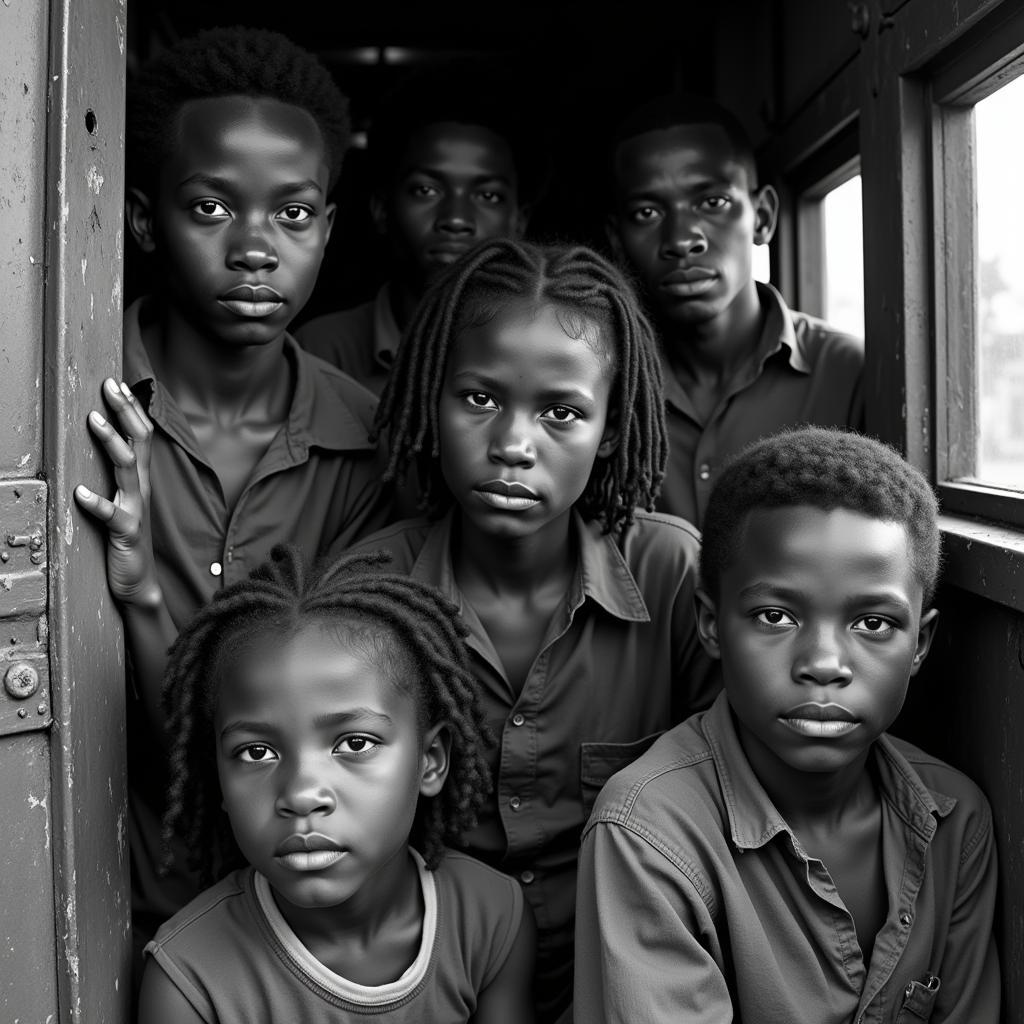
{"x":412,"y":625}
{"x":591,"y":292}
{"x":228,"y":61}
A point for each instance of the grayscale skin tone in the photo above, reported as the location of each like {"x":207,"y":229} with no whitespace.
{"x":819,"y":627}
{"x":522,"y":418}
{"x":686,"y":217}
{"x":322,"y":759}
{"x":238,"y":223}
{"x":457,"y":185}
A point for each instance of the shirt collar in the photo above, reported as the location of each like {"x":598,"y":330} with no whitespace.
{"x":386,"y":334}
{"x":778,"y":331}
{"x":318,"y":416}
{"x":602,"y":575}
{"x":754,"y":819}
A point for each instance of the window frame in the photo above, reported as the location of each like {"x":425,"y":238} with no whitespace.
{"x":968,"y":72}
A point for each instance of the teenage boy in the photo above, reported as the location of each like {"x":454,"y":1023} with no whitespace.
{"x":738,"y":364}
{"x":227,"y":437}
{"x":779,"y":858}
{"x":447,"y":162}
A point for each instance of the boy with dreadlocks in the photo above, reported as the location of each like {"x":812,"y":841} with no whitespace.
{"x":450,"y":166}
{"x":527,"y":389}
{"x":235,"y":138}
{"x":326,"y":733}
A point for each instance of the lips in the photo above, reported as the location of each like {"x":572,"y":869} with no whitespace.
{"x":820,"y":721}
{"x":309,"y":851}
{"x":508,"y":495}
{"x":688,"y":281}
{"x":447,"y":252}
{"x":252,"y":301}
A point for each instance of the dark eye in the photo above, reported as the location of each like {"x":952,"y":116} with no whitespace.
{"x":874,"y":625}
{"x":295,"y":214}
{"x":256,"y":753}
{"x":716,"y":202}
{"x":643,"y":214}
{"x":355,"y":745}
{"x":210,"y":208}
{"x":491,"y":198}
{"x":480,"y":400}
{"x":562,"y":414}
{"x":774,"y":617}
{"x":421,"y":190}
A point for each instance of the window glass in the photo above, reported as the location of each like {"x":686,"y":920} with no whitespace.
{"x":999,"y":154}
{"x":762,"y":263}
{"x":844,"y":257}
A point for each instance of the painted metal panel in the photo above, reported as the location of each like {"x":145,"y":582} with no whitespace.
{"x":82,"y":332}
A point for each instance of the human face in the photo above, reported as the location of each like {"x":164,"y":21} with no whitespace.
{"x":686,"y":220}
{"x":523,"y":416}
{"x":241,"y":219}
{"x":321,"y":761}
{"x":818,"y":626}
{"x":457,"y":186}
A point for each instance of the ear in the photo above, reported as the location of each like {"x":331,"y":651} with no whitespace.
{"x":437,"y":751}
{"x":611,"y":232}
{"x":379,"y":214}
{"x":925,"y":635}
{"x":329,"y":211}
{"x":610,"y":437}
{"x":139,"y":213}
{"x":766,"y":214}
{"x":707,"y":622}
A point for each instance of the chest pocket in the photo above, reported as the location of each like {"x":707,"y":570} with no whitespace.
{"x":919,"y":1000}
{"x":600,"y":761}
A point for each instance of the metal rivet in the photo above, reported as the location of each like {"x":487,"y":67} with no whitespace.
{"x":4,"y":557}
{"x":22,"y":713}
{"x":41,"y":710}
{"x":21,"y":680}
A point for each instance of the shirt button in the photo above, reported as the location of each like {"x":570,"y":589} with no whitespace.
{"x":908,"y":991}
{"x":704,"y":472}
{"x":518,"y":719}
{"x":515,"y":803}
{"x":527,"y":877}
{"x":905,"y":919}
{"x":216,"y":568}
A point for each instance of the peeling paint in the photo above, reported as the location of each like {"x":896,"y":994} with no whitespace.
{"x":69,"y":525}
{"x":24,"y":460}
{"x":85,"y":267}
{"x":94,"y":179}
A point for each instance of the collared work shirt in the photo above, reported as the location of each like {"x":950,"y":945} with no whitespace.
{"x":621,"y":662}
{"x":361,"y":341}
{"x":804,"y":373}
{"x":318,"y":482}
{"x":697,"y":901}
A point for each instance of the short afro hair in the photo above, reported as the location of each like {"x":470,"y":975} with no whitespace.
{"x":235,"y":61}
{"x":461,"y":90}
{"x":826,"y":469}
{"x":672,"y":110}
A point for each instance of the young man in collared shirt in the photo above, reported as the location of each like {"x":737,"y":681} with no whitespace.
{"x":447,"y":161}
{"x":779,"y":858}
{"x":227,"y":436}
{"x":738,"y":364}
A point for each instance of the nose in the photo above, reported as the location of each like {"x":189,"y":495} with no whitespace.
{"x":822,"y":658}
{"x":303,"y":793}
{"x":682,"y":235}
{"x":512,"y":442}
{"x":251,"y":249}
{"x":455,"y":214}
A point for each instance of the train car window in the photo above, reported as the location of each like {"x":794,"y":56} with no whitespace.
{"x":977,"y":149}
{"x":843,"y":238}
{"x":762,"y":263}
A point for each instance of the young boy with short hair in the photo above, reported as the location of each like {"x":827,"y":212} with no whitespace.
{"x":779,"y":858}
{"x":449,"y":169}
{"x":738,"y":363}
{"x":227,"y":437}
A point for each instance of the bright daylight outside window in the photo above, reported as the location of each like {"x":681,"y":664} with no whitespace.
{"x":844,"y":257}
{"x":1000,"y":282}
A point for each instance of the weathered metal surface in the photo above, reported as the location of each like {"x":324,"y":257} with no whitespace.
{"x":82,"y":331}
{"x":27,"y":949}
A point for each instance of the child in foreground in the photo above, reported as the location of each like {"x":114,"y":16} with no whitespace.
{"x":527,"y":391}
{"x":326,"y":729}
{"x":781,"y":859}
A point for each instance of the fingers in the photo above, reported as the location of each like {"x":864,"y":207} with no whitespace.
{"x":131,"y":418}
{"x":118,"y":520}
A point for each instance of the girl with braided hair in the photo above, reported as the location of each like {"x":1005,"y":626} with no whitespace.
{"x":326,"y":736}
{"x":527,"y":395}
